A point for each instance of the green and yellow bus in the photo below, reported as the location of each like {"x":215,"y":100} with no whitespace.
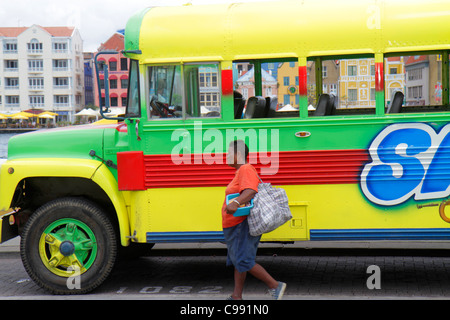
{"x":344,"y":104}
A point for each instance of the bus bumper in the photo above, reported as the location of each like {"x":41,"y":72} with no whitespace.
{"x":7,"y":231}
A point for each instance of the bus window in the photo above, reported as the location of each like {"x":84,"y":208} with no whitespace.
{"x":346,"y":86}
{"x":418,"y":78}
{"x":287,"y":95}
{"x":165,"y":92}
{"x":133,"y":104}
{"x":244,"y":84}
{"x":278,"y":94}
{"x":202,"y":89}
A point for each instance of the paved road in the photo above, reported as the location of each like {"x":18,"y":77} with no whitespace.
{"x":189,"y":273}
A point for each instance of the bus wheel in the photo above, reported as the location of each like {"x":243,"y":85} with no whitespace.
{"x":68,"y":246}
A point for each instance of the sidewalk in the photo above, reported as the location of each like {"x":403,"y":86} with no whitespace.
{"x":13,"y":245}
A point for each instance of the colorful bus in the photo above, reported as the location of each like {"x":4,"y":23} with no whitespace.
{"x":344,"y":104}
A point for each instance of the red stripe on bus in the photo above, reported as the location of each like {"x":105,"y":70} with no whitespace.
{"x":292,"y":168}
{"x":302,"y":81}
{"x":227,"y":82}
{"x":379,"y":80}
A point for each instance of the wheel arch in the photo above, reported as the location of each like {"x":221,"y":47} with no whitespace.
{"x":38,"y":181}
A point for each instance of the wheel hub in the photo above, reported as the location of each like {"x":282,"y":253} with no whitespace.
{"x":67,"y":248}
{"x":66,"y":243}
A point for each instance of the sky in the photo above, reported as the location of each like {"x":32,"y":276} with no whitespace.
{"x":96,"y":20}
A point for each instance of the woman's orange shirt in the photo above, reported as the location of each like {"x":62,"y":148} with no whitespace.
{"x":246,"y":177}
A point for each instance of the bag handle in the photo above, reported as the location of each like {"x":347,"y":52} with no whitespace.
{"x":259,"y":178}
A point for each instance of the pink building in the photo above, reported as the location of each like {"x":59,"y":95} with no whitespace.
{"x":118,"y":74}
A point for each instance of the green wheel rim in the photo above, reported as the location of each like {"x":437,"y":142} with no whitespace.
{"x":68,"y":246}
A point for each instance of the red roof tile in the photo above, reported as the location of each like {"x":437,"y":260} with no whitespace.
{"x":115,"y":42}
{"x":12,"y":32}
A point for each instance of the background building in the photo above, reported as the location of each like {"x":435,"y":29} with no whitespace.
{"x":41,"y":68}
{"x":244,"y":74}
{"x":89,"y":71}
{"x":117,"y":71}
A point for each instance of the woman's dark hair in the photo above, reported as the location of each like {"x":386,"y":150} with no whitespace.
{"x":239,"y":145}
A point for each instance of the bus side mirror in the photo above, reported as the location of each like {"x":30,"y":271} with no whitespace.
{"x":101,"y":65}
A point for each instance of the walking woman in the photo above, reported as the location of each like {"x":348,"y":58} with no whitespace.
{"x":241,"y":245}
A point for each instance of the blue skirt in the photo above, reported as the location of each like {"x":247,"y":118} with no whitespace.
{"x":241,"y":246}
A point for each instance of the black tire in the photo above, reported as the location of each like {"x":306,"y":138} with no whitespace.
{"x":86,"y":216}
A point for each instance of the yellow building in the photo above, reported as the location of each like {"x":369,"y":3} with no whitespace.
{"x":357,"y":81}
{"x":394,"y":76}
{"x":288,"y":84}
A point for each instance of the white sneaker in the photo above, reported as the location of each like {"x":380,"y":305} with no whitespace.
{"x":278,"y":292}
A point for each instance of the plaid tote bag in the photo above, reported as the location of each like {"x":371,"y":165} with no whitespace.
{"x":270,"y":209}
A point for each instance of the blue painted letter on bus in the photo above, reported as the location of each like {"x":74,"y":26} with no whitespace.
{"x":408,"y":160}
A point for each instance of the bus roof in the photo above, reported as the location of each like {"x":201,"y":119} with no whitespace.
{"x":287,"y":29}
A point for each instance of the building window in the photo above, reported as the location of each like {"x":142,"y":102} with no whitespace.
{"x":123,"y":64}
{"x":60,"y":47}
{"x":113,"y":83}
{"x":61,"y":101}
{"x":372,"y":94}
{"x":36,"y":83}
{"x":112,"y":65}
{"x":61,"y":83}
{"x":123,"y":83}
{"x":12,"y":101}
{"x":333,"y":89}
{"x":352,"y":71}
{"x":415,"y":74}
{"x":286,"y":81}
{"x":352,"y":95}
{"x":10,"y":47}
{"x":324,"y":71}
{"x":114,"y":102}
{"x":34,"y":46}
{"x":36,"y":65}
{"x":60,"y":65}
{"x":415,"y":93}
{"x":36,"y":101}
{"x":11,"y":65}
{"x":11,"y":83}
